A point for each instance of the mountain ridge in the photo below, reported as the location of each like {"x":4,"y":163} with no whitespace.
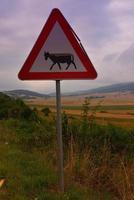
{"x":25,"y":94}
{"x":120,"y":87}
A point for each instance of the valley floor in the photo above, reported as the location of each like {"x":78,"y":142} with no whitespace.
{"x":113,"y":108}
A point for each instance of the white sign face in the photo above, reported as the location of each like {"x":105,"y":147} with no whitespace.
{"x":57,"y":54}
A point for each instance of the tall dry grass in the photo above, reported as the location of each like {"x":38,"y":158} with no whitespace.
{"x":99,"y":158}
{"x":110,"y":174}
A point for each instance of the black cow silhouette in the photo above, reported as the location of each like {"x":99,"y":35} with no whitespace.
{"x":58,"y":58}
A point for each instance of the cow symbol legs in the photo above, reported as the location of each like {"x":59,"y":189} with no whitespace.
{"x":74,"y":64}
{"x":68,"y":66}
{"x":52,"y":66}
{"x":59,"y":66}
{"x":70,"y":63}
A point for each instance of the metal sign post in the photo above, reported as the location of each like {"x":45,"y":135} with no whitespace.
{"x":59,"y":136}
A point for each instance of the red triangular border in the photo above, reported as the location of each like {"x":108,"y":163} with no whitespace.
{"x":56,"y":16}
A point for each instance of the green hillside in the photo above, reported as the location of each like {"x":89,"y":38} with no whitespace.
{"x":119,"y":87}
{"x":98,"y":160}
{"x":25,"y":94}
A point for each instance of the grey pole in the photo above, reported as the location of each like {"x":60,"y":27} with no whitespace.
{"x":59,"y":136}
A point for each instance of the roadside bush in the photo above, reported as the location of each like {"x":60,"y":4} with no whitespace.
{"x":46,"y":111}
{"x":3,"y":113}
{"x":31,"y":134}
{"x":15,"y":108}
{"x":87,"y":135}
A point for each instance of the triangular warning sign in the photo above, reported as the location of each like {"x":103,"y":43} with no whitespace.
{"x":57,"y":54}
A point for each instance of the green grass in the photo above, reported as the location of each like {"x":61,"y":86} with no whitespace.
{"x":121,"y":120}
{"x":99,"y":108}
{"x":26,"y":175}
{"x":106,"y":108}
{"x":29,"y":173}
{"x":98,"y":159}
{"x":117,"y":107}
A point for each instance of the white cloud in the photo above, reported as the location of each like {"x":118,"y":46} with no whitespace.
{"x":122,"y":12}
{"x":121,"y":5}
{"x":120,"y":67}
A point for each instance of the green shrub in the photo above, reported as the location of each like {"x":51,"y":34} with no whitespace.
{"x":88,"y":135}
{"x":46,"y":111}
{"x":15,"y":108}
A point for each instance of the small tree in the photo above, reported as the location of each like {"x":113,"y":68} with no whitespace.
{"x":46,"y":111}
{"x":85,"y":114}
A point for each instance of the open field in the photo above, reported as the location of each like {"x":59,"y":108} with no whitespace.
{"x":114,"y":108}
{"x":98,"y":159}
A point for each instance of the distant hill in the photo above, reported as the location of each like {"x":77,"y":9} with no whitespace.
{"x":24,"y":94}
{"x":120,"y":87}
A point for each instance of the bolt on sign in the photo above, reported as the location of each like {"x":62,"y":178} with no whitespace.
{"x":57,"y":54}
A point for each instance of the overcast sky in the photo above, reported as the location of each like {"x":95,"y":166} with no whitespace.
{"x":105,"y":27}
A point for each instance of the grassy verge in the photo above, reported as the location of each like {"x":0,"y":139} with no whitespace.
{"x":98,"y":159}
{"x":29,"y":171}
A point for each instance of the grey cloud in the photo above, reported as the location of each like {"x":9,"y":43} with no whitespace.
{"x":93,"y":21}
{"x":96,"y":25}
{"x":110,"y":57}
{"x":6,"y":7}
{"x":126,"y":58}
{"x":121,"y":67}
